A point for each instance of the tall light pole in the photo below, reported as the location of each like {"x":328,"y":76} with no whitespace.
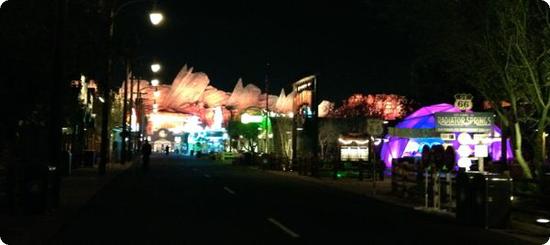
{"x":124,"y":133}
{"x":155,"y":68}
{"x":55,"y":123}
{"x":127,"y":146}
{"x":106,"y":109}
{"x":266,"y":109}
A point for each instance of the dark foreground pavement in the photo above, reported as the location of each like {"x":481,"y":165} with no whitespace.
{"x":184,"y":201}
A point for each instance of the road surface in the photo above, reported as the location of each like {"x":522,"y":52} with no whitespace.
{"x":187,"y":201}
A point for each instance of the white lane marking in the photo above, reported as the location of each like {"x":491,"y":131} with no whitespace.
{"x":207,"y":175}
{"x":284,"y":228}
{"x":229,"y":190}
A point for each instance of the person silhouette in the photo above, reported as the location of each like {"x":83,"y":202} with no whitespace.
{"x":167,"y":150}
{"x":145,"y":154}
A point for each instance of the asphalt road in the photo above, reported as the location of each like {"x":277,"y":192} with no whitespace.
{"x":184,"y":201}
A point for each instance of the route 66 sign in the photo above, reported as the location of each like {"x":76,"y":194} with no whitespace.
{"x":375,"y":127}
{"x":464,"y":101}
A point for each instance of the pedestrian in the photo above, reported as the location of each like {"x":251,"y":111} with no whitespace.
{"x":146,"y":153}
{"x":167,"y":150}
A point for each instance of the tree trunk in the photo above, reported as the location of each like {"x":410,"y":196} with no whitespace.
{"x":504,"y":133}
{"x":539,"y":151}
{"x":518,"y":152}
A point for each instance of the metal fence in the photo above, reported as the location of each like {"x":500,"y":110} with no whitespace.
{"x":423,"y":187}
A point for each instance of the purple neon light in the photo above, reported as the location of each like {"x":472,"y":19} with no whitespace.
{"x":424,"y":118}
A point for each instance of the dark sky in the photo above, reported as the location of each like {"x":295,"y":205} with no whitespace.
{"x":348,"y":44}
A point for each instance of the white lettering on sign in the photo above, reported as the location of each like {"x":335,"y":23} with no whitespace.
{"x":465,"y":121}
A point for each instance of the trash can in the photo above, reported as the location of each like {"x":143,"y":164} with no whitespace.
{"x":464,"y":197}
{"x":483,"y":199}
{"x":493,"y":202}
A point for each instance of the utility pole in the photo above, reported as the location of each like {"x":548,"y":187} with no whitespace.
{"x":106,"y":109}
{"x":124,"y":113}
{"x":130,"y":138}
{"x":56,"y":94}
{"x":138,"y":114}
{"x":267,"y":109}
{"x":314,"y":110}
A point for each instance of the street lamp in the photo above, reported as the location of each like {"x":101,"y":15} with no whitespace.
{"x":156,"y":17}
{"x":155,"y":67}
{"x":155,"y":82}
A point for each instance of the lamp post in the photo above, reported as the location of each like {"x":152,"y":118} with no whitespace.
{"x":127,"y":144}
{"x":139,"y":110}
{"x":266,"y":109}
{"x":136,"y":106}
{"x":124,"y":133}
{"x":156,"y":94}
{"x":106,"y":109}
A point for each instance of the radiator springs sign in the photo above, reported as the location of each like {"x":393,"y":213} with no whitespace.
{"x":464,"y":122}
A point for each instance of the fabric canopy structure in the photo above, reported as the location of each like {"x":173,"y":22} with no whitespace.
{"x":191,"y":93}
{"x":424,"y":117}
{"x":397,"y":147}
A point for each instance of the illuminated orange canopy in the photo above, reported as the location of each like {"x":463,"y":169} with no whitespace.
{"x":190,"y":93}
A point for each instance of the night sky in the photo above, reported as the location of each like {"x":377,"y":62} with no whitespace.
{"x":351,"y":46}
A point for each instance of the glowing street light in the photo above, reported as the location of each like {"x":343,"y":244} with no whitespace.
{"x":155,"y":67}
{"x":155,"y":82}
{"x":156,"y":17}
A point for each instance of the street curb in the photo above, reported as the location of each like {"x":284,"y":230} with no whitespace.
{"x":384,"y":199}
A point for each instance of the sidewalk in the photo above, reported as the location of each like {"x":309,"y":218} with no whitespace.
{"x":76,"y":191}
{"x":382,"y":192}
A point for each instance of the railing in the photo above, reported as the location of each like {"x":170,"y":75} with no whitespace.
{"x":530,"y":198}
{"x":429,"y":189}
